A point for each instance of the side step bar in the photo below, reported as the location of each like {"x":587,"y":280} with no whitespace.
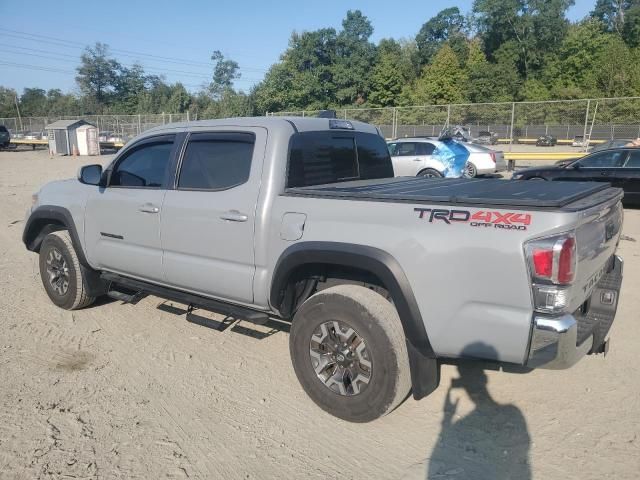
{"x":189,"y":299}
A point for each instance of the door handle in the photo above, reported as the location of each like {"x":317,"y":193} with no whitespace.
{"x":234,"y":216}
{"x":606,"y":174}
{"x":417,"y":160}
{"x":149,"y":208}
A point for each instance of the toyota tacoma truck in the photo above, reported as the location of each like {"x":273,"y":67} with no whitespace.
{"x":301,"y":219}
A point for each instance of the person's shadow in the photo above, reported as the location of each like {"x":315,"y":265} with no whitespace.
{"x":491,"y":442}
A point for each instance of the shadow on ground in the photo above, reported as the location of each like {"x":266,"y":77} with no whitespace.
{"x":489,"y":443}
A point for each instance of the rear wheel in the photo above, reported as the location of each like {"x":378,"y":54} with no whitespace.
{"x":470,"y":170}
{"x":349,"y":353}
{"x":61,"y":274}
{"x":429,"y":173}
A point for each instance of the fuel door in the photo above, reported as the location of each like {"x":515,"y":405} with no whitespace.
{"x":292,"y":226}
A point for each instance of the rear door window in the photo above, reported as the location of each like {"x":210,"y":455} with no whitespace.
{"x":216,"y":161}
{"x":634,"y":159}
{"x":606,"y":159}
{"x":317,"y":158}
{"x":425,"y":148}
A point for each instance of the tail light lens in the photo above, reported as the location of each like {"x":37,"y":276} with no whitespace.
{"x":552,"y":262}
{"x":553,"y":259}
{"x":493,"y":157}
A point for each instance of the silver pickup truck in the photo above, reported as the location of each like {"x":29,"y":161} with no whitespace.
{"x":302,"y":219}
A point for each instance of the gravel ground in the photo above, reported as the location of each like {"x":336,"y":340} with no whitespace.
{"x":122,"y":391}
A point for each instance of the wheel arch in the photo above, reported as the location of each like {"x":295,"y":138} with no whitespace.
{"x":46,"y":219}
{"x":425,"y":374}
{"x":374,"y":261}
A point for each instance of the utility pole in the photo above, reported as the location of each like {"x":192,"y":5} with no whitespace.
{"x":15,"y":97}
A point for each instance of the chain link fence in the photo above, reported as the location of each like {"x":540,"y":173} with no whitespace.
{"x":514,"y":122}
{"x":111,"y":127}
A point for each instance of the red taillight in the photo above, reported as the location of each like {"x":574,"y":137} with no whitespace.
{"x":493,"y":157}
{"x":543,"y":263}
{"x":553,"y":259}
{"x":566,"y":264}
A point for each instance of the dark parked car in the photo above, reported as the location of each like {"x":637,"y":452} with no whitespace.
{"x":486,"y":138}
{"x":546,"y":141}
{"x":5,"y":137}
{"x":618,"y":166}
{"x":608,"y":145}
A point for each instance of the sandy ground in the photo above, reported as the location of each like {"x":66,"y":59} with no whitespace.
{"x":122,"y":391}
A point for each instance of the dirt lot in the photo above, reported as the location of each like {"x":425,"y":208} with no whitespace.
{"x":122,"y":391}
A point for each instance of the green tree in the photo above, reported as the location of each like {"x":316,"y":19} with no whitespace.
{"x":33,"y":102}
{"x":97,"y":74}
{"x":447,"y":25}
{"x":534,"y":26}
{"x":59,"y":103}
{"x":7,"y":102}
{"x":179,"y":100}
{"x":389,"y":75}
{"x":225,"y":71}
{"x":354,"y":59}
{"x":441,"y":82}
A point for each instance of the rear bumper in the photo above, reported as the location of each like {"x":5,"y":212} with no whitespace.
{"x":559,"y":342}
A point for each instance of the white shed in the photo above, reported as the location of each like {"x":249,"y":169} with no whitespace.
{"x":88,"y":143}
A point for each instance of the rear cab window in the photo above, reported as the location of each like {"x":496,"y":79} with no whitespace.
{"x":216,"y":161}
{"x":317,"y":158}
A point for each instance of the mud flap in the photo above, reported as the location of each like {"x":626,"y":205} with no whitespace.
{"x":425,"y":372}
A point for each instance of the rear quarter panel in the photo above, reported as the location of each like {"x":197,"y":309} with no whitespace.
{"x":471,"y":282}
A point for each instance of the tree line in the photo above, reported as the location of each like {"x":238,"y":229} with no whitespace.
{"x":501,"y":51}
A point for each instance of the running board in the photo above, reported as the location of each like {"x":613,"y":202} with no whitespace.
{"x":189,"y":299}
{"x":125,"y":297}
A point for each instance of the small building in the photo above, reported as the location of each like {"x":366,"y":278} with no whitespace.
{"x":63,"y":138}
{"x":88,"y":141}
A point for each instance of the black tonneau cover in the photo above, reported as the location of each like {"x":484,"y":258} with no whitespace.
{"x":512,"y":193}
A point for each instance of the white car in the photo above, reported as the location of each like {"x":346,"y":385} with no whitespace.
{"x":421,"y":156}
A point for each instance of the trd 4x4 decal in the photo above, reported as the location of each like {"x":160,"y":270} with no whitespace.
{"x":482,"y":218}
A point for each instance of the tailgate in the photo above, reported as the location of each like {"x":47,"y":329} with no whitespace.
{"x":597,"y":237}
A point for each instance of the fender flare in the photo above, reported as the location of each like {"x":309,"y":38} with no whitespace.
{"x":370,"y":259}
{"x":35,"y":229}
{"x":424,"y":366}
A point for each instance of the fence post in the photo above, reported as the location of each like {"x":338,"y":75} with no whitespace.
{"x":394,"y":123}
{"x":448,"y":115}
{"x":511,"y":165}
{"x":513,"y":117}
{"x":139,"y":124}
{"x":586,"y":121}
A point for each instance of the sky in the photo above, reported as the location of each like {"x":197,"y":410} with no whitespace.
{"x":40,"y":45}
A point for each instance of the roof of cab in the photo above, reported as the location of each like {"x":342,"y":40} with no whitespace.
{"x":301,"y":124}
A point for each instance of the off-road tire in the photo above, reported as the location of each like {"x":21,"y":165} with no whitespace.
{"x":75,"y":296}
{"x":377,"y":322}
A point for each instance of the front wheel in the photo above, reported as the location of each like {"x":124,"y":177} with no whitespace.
{"x":429,"y":173}
{"x":60,"y":271}
{"x":349,"y":353}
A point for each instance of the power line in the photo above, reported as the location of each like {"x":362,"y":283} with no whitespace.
{"x":70,"y":44}
{"x":36,"y":67}
{"x":152,"y":69}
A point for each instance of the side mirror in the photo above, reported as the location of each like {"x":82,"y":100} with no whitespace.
{"x":576,"y":166}
{"x":90,"y":174}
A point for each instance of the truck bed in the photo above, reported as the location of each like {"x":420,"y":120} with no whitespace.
{"x":470,"y":192}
